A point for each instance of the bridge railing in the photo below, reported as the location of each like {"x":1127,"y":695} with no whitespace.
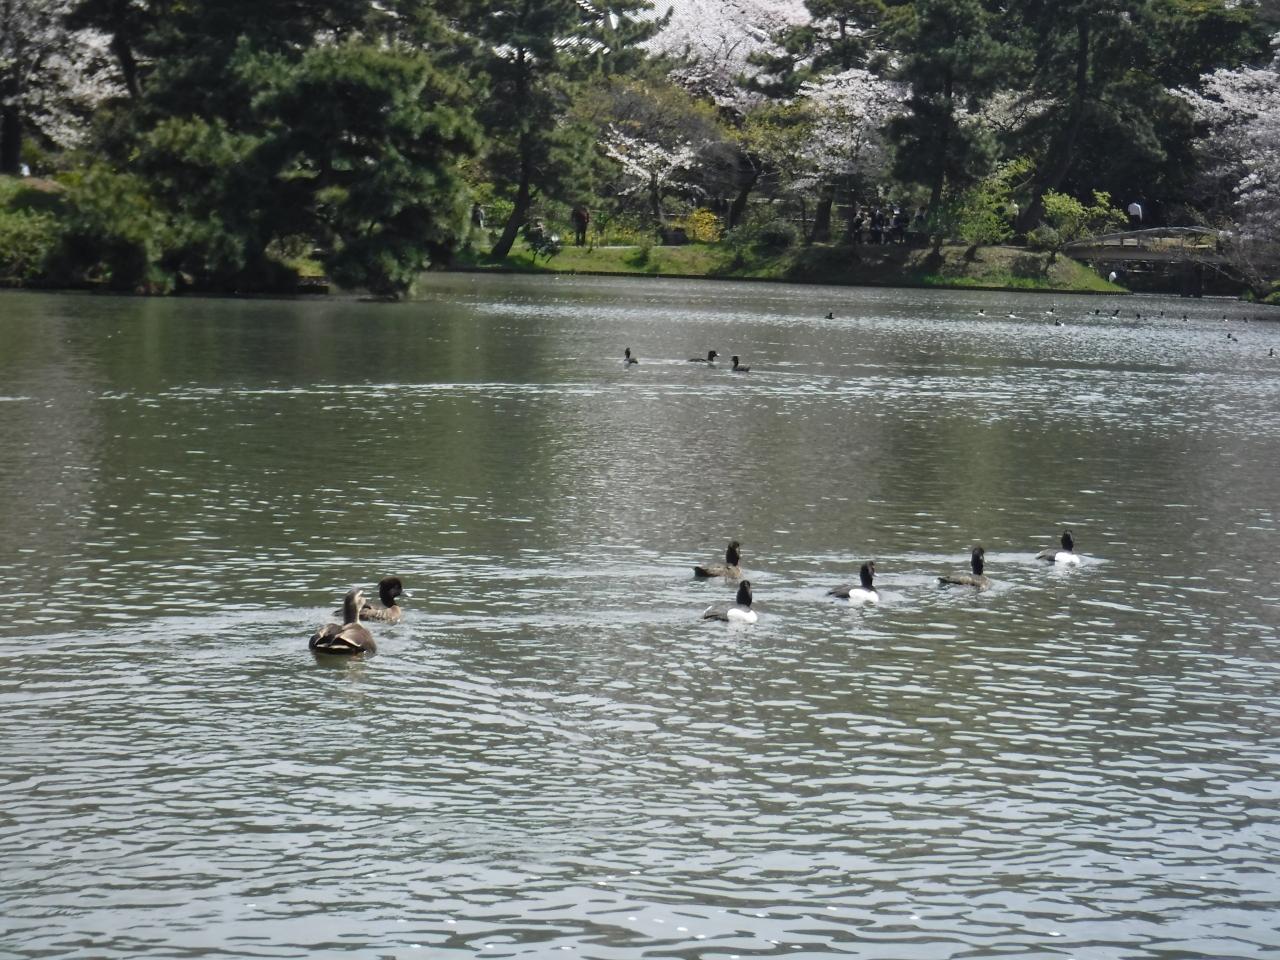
{"x":1155,"y":239}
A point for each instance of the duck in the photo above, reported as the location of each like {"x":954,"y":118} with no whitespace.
{"x":729,"y":569}
{"x":830,"y":315}
{"x":737,"y":367}
{"x":865,"y":593}
{"x":627,"y":358}
{"x":388,"y":611}
{"x":348,"y":638}
{"x":975,"y":579}
{"x":1067,"y":555}
{"x":709,"y":358}
{"x":739,"y":612}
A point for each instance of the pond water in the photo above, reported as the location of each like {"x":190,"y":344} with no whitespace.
{"x":553,"y":754}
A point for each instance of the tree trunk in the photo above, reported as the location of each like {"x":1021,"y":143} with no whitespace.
{"x":10,"y":141}
{"x":655,"y":205}
{"x":821,"y":232}
{"x":1064,"y":147}
{"x":518,"y":212}
{"x":944,"y":148}
{"x":738,"y":208}
{"x":128,"y":65}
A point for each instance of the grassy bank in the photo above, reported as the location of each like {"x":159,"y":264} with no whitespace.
{"x":990,"y":268}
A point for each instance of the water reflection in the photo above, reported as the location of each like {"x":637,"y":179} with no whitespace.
{"x":552,"y":752}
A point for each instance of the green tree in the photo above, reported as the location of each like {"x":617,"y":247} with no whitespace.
{"x":532,"y":53}
{"x":953,"y":63}
{"x":374,"y":177}
{"x":1100,"y":74}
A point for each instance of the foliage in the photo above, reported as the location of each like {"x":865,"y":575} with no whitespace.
{"x":982,"y":214}
{"x":373,"y":177}
{"x":778,"y":235}
{"x":1239,"y":111}
{"x":953,"y":61}
{"x":1074,"y":221}
{"x":111,"y":232}
{"x":27,"y":238}
{"x":51,"y":77}
{"x":703,"y":226}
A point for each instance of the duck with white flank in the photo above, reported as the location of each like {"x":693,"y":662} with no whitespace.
{"x":865,"y":592}
{"x":349,"y":637}
{"x":738,"y":612}
{"x":627,"y":358}
{"x":1067,"y":556}
{"x":728,"y":569}
{"x":975,"y":579}
{"x":709,"y":358}
{"x":738,"y":367}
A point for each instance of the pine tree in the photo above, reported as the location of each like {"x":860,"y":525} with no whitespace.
{"x":532,"y":52}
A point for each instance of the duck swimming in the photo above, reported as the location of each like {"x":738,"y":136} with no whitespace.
{"x":387,"y":611}
{"x":709,"y":358}
{"x":737,"y":367}
{"x":349,"y":637}
{"x":865,"y":592}
{"x":627,"y":358}
{"x":1067,"y":555}
{"x":728,"y":569}
{"x":739,"y":612}
{"x":975,"y":579}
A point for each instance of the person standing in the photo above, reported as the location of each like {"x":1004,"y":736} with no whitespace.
{"x":1135,"y":215}
{"x":581,"y":218}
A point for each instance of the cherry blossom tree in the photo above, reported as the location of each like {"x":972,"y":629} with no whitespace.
{"x":1241,"y":113}
{"x":50,"y":76}
{"x":651,"y":169}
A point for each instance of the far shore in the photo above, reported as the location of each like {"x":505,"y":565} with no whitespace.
{"x":953,"y":267}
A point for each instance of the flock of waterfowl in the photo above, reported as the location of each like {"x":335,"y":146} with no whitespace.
{"x":1051,"y":314}
{"x":628,"y":359}
{"x":352,"y":637}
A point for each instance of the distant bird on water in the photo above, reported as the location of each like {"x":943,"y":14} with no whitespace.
{"x":737,"y":367}
{"x":709,"y":358}
{"x":627,"y":358}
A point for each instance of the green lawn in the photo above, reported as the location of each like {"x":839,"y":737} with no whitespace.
{"x":990,"y":268}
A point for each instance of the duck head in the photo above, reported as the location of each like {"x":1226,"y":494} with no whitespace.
{"x":1068,"y":544}
{"x":388,"y":589}
{"x":867,"y":575}
{"x":744,"y":594}
{"x":975,"y":560}
{"x":711,"y":356}
{"x":731,"y":555}
{"x":351,"y":606}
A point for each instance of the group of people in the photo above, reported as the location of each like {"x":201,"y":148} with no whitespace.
{"x":880,"y":225}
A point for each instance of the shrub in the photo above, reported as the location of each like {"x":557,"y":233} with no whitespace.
{"x":26,"y":240}
{"x":779,"y":235}
{"x":110,"y":231}
{"x":1074,"y":221}
{"x":703,"y":226}
{"x":1044,"y":237}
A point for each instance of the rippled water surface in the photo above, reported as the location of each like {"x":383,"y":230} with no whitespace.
{"x":552,"y":754}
